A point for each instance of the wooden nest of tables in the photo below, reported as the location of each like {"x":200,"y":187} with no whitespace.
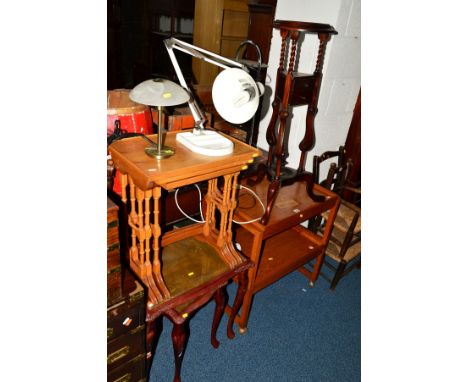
{"x":184,"y":268}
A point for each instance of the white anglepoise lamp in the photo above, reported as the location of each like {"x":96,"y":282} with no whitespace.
{"x":235,"y":96}
{"x":159,"y":92}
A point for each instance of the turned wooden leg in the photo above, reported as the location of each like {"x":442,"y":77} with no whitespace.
{"x":179,"y":337}
{"x":241,"y":289}
{"x":220,"y":300}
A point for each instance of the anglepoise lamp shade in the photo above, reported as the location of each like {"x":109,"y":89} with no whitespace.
{"x":235,"y":95}
{"x":159,"y":92}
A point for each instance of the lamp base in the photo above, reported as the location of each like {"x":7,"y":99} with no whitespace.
{"x":207,"y":142}
{"x":165,"y":152}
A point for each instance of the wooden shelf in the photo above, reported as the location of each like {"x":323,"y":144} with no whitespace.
{"x":279,"y":257}
{"x":189,"y":263}
{"x":292,"y":207}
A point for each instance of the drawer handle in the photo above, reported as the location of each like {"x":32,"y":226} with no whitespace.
{"x":119,"y":354}
{"x":124,"y":378}
{"x":110,"y":332}
{"x":127,"y":321}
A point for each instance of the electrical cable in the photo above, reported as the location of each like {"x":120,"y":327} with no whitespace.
{"x":200,"y":204}
{"x":257,"y":197}
{"x":183,"y":213}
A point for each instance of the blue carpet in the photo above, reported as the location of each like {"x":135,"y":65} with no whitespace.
{"x":295,"y":333}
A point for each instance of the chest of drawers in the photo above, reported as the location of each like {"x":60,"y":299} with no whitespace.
{"x":114,"y":269}
{"x":126,"y":333}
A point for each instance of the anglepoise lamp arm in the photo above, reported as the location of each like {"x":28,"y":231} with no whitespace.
{"x":204,"y":55}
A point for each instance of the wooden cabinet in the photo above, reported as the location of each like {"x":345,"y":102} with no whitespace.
{"x":126,"y":327}
{"x":114,"y":273}
{"x":126,"y":331}
{"x":261,"y":16}
{"x":219,"y":26}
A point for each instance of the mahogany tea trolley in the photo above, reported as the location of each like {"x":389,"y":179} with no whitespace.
{"x":283,"y":245}
{"x":184,"y":268}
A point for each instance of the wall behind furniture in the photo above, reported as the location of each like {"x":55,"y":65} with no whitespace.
{"x":341,"y":73}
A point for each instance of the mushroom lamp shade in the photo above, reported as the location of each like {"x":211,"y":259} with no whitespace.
{"x":159,"y":92}
{"x":235,"y":95}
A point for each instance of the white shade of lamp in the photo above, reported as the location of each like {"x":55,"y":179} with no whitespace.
{"x":159,"y":92}
{"x":235,"y":96}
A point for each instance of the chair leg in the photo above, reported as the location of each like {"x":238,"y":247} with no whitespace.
{"x":179,"y":337}
{"x":338,"y":274}
{"x":153,"y":332}
{"x":220,"y":300}
{"x":241,"y":289}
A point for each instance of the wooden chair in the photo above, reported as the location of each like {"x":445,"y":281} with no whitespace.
{"x":344,"y":247}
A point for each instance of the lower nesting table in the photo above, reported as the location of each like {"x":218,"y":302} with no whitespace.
{"x":282,"y":245}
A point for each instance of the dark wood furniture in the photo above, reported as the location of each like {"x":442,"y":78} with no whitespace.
{"x":292,"y":89}
{"x":127,"y":42}
{"x":126,"y":327}
{"x":344,"y":247}
{"x":114,"y":54}
{"x":169,"y":18}
{"x":183,"y":268}
{"x":353,"y":150}
{"x":282,"y":245}
{"x":126,"y":333}
{"x":261,"y":15}
{"x":135,"y":34}
{"x":114,"y":268}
